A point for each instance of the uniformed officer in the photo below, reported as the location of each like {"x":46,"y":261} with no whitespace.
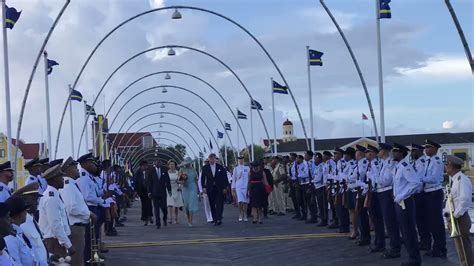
{"x":34,"y":169}
{"x":294,"y":186}
{"x":6,"y":176}
{"x":240,"y":187}
{"x":372,"y":201}
{"x":461,"y":194}
{"x":30,"y":227}
{"x":279,"y":176}
{"x":302,"y":175}
{"x":44,"y":167}
{"x":308,"y":188}
{"x":329,"y":170}
{"x":419,"y":161}
{"x":320,"y":189}
{"x":340,"y":176}
{"x":384,"y":183}
{"x":350,"y":189}
{"x":433,"y":179}
{"x":19,"y":246}
{"x":362,"y":188}
{"x":78,"y":213}
{"x":54,"y":222}
{"x":405,"y":184}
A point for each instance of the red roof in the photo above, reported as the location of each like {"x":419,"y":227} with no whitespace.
{"x":28,"y":150}
{"x":128,"y":139}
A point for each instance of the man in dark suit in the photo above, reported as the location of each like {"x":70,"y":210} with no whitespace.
{"x":158,"y":183}
{"x":214,"y":183}
{"x":141,"y":177}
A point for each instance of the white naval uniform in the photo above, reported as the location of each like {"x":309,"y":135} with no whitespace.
{"x":240,"y":182}
{"x":18,"y":249}
{"x":4,"y":192}
{"x":5,"y":258}
{"x":53,"y":219}
{"x":76,"y":207}
{"x":34,"y":234}
{"x":432,"y":176}
{"x":38,"y":179}
{"x":461,"y":191}
{"x":89,"y":189}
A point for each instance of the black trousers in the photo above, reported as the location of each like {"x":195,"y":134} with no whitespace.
{"x":390,"y":218}
{"x":422,"y":221}
{"x":216,"y":201}
{"x":310,"y":201}
{"x":322,"y":203}
{"x":159,"y":203}
{"x":294,"y":187}
{"x":301,"y":195}
{"x":331,"y":199}
{"x":435,"y":218}
{"x":147,"y":209}
{"x":344,"y":219}
{"x":364,"y":225}
{"x":407,"y":220}
{"x":375,"y":212}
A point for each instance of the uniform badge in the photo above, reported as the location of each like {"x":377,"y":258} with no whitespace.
{"x":32,"y":178}
{"x":459,"y":178}
{"x":352,"y":163}
{"x":437,"y":158}
{"x":51,"y":194}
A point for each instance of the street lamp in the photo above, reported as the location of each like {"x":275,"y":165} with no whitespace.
{"x":171,"y":52}
{"x":167,"y":76}
{"x":176,"y":15}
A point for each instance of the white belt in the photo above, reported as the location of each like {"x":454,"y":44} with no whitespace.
{"x":432,"y":189}
{"x":379,"y":190}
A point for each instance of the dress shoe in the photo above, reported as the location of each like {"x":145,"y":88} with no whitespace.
{"x":352,"y":237}
{"x":322,"y":223}
{"x":151,"y":221}
{"x":376,"y":249}
{"x":119,"y":224}
{"x":219,"y":222}
{"x":158,"y":226}
{"x":436,"y":254}
{"x":391,"y":254}
{"x":145,"y":224}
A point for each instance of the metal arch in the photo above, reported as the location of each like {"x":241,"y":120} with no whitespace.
{"x":192,"y":8}
{"x":169,"y":154}
{"x":185,"y":74}
{"x":164,"y":123}
{"x":177,"y":159}
{"x":152,"y":114}
{"x":168,"y":132}
{"x":145,"y":152}
{"x":152,"y":49}
{"x":172,"y":103}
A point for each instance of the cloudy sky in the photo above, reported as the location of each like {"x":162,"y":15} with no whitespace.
{"x":428,"y":85}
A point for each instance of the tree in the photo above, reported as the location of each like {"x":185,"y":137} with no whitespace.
{"x":230,"y":156}
{"x":259,"y":153}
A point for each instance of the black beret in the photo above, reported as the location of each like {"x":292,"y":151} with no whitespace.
{"x":55,"y":162}
{"x":85,"y":157}
{"x":385,"y":146}
{"x":32,"y":163}
{"x":293,"y":154}
{"x":17,"y":205}
{"x":43,"y":161}
{"x":300,"y":156}
{"x":372,"y":148}
{"x":6,"y":166}
{"x":400,"y":147}
{"x":361,"y":148}
{"x":416,"y":147}
{"x":431,"y":143}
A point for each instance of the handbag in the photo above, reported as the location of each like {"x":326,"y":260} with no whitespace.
{"x":268,"y":188}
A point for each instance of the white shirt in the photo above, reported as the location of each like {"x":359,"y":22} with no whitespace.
{"x":37,"y":179}
{"x":432,"y":176}
{"x":461,"y":191}
{"x":4,"y":192}
{"x":53,"y":220}
{"x":240,"y":178}
{"x":76,"y":207}
{"x":318,"y":179}
{"x":213,"y":169}
{"x":329,"y":170}
{"x":6,"y":259}
{"x":35,"y":237}
{"x":89,"y":189}
{"x":21,"y":254}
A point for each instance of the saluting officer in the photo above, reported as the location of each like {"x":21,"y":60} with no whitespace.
{"x":329,"y":169}
{"x":384,"y":183}
{"x":422,"y":222}
{"x":6,"y":176}
{"x":405,"y":184}
{"x":375,"y":209}
{"x":340,"y":176}
{"x":461,"y":193}
{"x":434,"y":195}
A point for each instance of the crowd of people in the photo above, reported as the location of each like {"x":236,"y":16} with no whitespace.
{"x":59,"y":216}
{"x":397,"y":192}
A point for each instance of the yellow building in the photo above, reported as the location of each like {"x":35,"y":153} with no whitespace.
{"x":27,"y":152}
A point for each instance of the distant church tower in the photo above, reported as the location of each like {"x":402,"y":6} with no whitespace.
{"x":288,"y":131}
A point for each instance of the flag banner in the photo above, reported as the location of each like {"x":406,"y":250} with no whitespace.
{"x":228,"y":127}
{"x":204,"y":149}
{"x":201,"y":155}
{"x":384,"y":9}
{"x":315,"y":58}
{"x":255,"y":105}
{"x":51,"y":63}
{"x":220,"y":135}
{"x":241,"y":115}
{"x":210,"y":145}
{"x":90,"y":110}
{"x":278,"y":88}
{"x":364,"y":117}
{"x":12,"y":16}
{"x":76,"y":96}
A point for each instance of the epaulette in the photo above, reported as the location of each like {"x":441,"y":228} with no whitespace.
{"x":437,"y":157}
{"x":51,"y":194}
{"x":422,"y":160}
{"x":32,"y":178}
{"x":66,"y":182}
{"x":83,"y":173}
{"x":404,"y":164}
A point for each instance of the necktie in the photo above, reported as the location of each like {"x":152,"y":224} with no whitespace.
{"x":27,"y":241}
{"x":64,"y":210}
{"x":414,"y":165}
{"x":427,"y":166}
{"x":37,"y":228}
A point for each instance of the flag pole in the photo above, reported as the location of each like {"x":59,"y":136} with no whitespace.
{"x":379,"y":53}
{"x":238,"y":137}
{"x":86,"y":142}
{"x":311,"y":119}
{"x":251,"y":135}
{"x":72,"y":122}
{"x":7,"y":92}
{"x":274,"y":120}
{"x":225,"y":145}
{"x":48,"y":108}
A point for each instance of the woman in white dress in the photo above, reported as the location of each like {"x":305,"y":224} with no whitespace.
{"x":175,"y":201}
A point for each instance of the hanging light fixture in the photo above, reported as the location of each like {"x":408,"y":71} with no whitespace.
{"x":164,"y":90}
{"x":162,"y":116}
{"x":176,"y":14}
{"x":167,"y":76}
{"x":171,"y":52}
{"x":162,"y":105}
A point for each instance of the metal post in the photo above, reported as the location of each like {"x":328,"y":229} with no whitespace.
{"x":7,"y":92}
{"x":72,"y":123}
{"x":238,"y":137}
{"x":225,"y":145}
{"x":48,"y":108}
{"x":274,"y":120}
{"x":86,"y":142}
{"x":379,"y":53}
{"x":251,"y":135}
{"x":311,"y":123}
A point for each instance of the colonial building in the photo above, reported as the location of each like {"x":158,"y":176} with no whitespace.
{"x":459,"y":144}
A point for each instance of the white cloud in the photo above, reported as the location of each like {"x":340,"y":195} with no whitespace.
{"x":439,"y":66}
{"x":157,"y":3}
{"x":448,"y":124}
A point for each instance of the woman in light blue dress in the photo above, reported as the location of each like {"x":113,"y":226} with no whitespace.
{"x":189,"y":189}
